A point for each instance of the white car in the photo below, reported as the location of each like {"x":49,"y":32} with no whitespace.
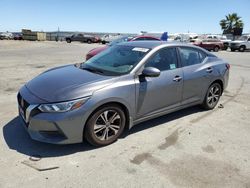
{"x":109,"y":38}
{"x":6,"y":35}
{"x":242,"y":44}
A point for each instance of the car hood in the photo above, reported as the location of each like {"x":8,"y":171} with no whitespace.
{"x":67,"y":83}
{"x":237,"y":41}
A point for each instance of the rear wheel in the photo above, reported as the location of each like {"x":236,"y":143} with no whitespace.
{"x":68,"y":40}
{"x":212,"y":97}
{"x":105,"y":125}
{"x":89,"y":41}
{"x":242,"y":48}
{"x":216,"y":48}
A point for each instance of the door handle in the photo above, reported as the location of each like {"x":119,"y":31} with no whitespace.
{"x":177,"y":78}
{"x":209,"y":70}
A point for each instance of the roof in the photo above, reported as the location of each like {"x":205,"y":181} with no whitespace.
{"x":153,"y":44}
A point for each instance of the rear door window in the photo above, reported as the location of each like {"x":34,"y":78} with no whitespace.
{"x":191,"y":56}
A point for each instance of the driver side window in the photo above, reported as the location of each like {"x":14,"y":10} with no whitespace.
{"x":164,"y":59}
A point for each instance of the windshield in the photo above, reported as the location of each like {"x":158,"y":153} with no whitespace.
{"x":243,"y":38}
{"x":116,"y":60}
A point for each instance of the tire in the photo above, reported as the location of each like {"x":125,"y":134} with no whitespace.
{"x":212,"y":96}
{"x":242,"y":48}
{"x":225,"y":46}
{"x":232,"y":50}
{"x":89,"y":41}
{"x":216,"y":48}
{"x":103,"y":42}
{"x":68,"y":40}
{"x":105,"y":125}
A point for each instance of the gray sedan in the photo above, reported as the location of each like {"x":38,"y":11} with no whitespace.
{"x":124,"y":85}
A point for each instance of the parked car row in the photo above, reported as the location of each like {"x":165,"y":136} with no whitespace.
{"x":210,"y":43}
{"x":11,"y":36}
{"x":97,"y":50}
{"x":215,"y":43}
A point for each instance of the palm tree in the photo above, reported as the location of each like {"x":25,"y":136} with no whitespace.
{"x":231,"y":24}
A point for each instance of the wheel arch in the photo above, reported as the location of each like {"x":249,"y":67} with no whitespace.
{"x":118,"y":103}
{"x":219,"y":81}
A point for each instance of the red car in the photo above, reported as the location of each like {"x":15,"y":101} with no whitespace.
{"x":210,"y":44}
{"x":95,"y":51}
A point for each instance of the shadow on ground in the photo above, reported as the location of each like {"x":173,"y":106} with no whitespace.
{"x":18,"y":139}
{"x":164,"y":119}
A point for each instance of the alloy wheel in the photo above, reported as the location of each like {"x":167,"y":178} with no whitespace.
{"x":107,"y":125}
{"x":213,"y":95}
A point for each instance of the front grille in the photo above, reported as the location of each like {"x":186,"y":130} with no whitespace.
{"x":233,"y":44}
{"x":23,"y":104}
{"x":26,"y":109}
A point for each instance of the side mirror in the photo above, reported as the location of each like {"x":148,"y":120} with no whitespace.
{"x":151,"y":72}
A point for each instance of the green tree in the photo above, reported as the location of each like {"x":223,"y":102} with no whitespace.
{"x":232,"y":24}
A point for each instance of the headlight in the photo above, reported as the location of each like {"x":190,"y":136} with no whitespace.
{"x":63,"y":106}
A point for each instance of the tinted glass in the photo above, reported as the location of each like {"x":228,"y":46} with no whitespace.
{"x":140,"y":38}
{"x":117,"y":59}
{"x":144,"y":38}
{"x":164,"y":59}
{"x":190,"y":56}
{"x":119,"y":40}
{"x":202,"y":56}
{"x":150,"y":38}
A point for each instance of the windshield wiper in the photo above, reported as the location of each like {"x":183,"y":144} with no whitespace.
{"x":92,"y":70}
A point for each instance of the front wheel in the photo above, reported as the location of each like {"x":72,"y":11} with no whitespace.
{"x":242,"y":48}
{"x":105,"y":125}
{"x":212,"y":97}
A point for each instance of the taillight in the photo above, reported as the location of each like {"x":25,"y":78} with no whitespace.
{"x":228,"y":66}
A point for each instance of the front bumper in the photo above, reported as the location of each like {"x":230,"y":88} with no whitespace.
{"x":55,"y":128}
{"x":234,"y":46}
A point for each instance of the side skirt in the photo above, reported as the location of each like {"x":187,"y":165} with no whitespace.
{"x":158,"y":114}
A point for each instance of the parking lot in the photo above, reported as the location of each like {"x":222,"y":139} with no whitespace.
{"x":189,"y":148}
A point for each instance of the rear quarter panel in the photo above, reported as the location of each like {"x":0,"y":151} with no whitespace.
{"x":220,"y":71}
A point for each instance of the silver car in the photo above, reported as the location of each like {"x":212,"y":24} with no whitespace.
{"x":124,"y":85}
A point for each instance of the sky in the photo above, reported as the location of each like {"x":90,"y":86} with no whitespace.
{"x":130,"y":16}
